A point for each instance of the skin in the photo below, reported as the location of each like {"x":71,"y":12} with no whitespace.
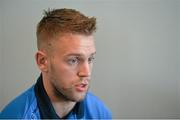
{"x":66,"y":70}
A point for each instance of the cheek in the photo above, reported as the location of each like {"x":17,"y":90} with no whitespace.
{"x":64,"y":75}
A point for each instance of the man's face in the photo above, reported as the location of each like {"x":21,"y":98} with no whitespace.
{"x":70,"y":65}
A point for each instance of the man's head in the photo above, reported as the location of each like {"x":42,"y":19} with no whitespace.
{"x":65,"y":53}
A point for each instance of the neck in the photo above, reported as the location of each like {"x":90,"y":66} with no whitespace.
{"x":61,"y":105}
{"x":63,"y":108}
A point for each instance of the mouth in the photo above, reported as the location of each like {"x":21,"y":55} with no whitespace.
{"x":82,"y":87}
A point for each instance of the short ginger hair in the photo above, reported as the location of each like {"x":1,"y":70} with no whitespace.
{"x":58,"y":21}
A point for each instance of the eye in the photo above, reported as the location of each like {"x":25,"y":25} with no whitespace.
{"x":73,"y":61}
{"x":90,"y":60}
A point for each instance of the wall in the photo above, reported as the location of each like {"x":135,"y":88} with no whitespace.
{"x":18,"y":46}
{"x":1,"y":93}
{"x":178,"y":15}
{"x":138,"y":58}
{"x":137,"y":64}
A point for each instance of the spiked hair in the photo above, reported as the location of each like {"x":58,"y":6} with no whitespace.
{"x":58,"y":21}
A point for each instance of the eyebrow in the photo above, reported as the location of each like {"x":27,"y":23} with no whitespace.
{"x":78,"y":54}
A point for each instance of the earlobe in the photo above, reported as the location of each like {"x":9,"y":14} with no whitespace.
{"x":41,"y":60}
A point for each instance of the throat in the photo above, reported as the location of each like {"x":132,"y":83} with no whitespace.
{"x":62,"y":109}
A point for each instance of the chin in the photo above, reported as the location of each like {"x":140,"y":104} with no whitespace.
{"x":78,"y":97}
{"x":72,"y":95}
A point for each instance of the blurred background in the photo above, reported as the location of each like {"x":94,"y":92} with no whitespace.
{"x":137,"y":68}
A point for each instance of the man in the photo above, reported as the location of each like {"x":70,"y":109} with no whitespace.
{"x":65,"y":57}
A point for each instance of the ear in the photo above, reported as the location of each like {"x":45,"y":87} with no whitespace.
{"x":42,"y":61}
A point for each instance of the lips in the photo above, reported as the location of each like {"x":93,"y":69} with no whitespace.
{"x":81,"y":87}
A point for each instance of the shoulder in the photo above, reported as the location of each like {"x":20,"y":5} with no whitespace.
{"x":95,"y":108}
{"x":21,"y":106}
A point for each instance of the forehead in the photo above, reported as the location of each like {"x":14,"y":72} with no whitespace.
{"x":70,"y":44}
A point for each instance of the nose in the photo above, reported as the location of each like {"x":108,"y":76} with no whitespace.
{"x":85,"y":70}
